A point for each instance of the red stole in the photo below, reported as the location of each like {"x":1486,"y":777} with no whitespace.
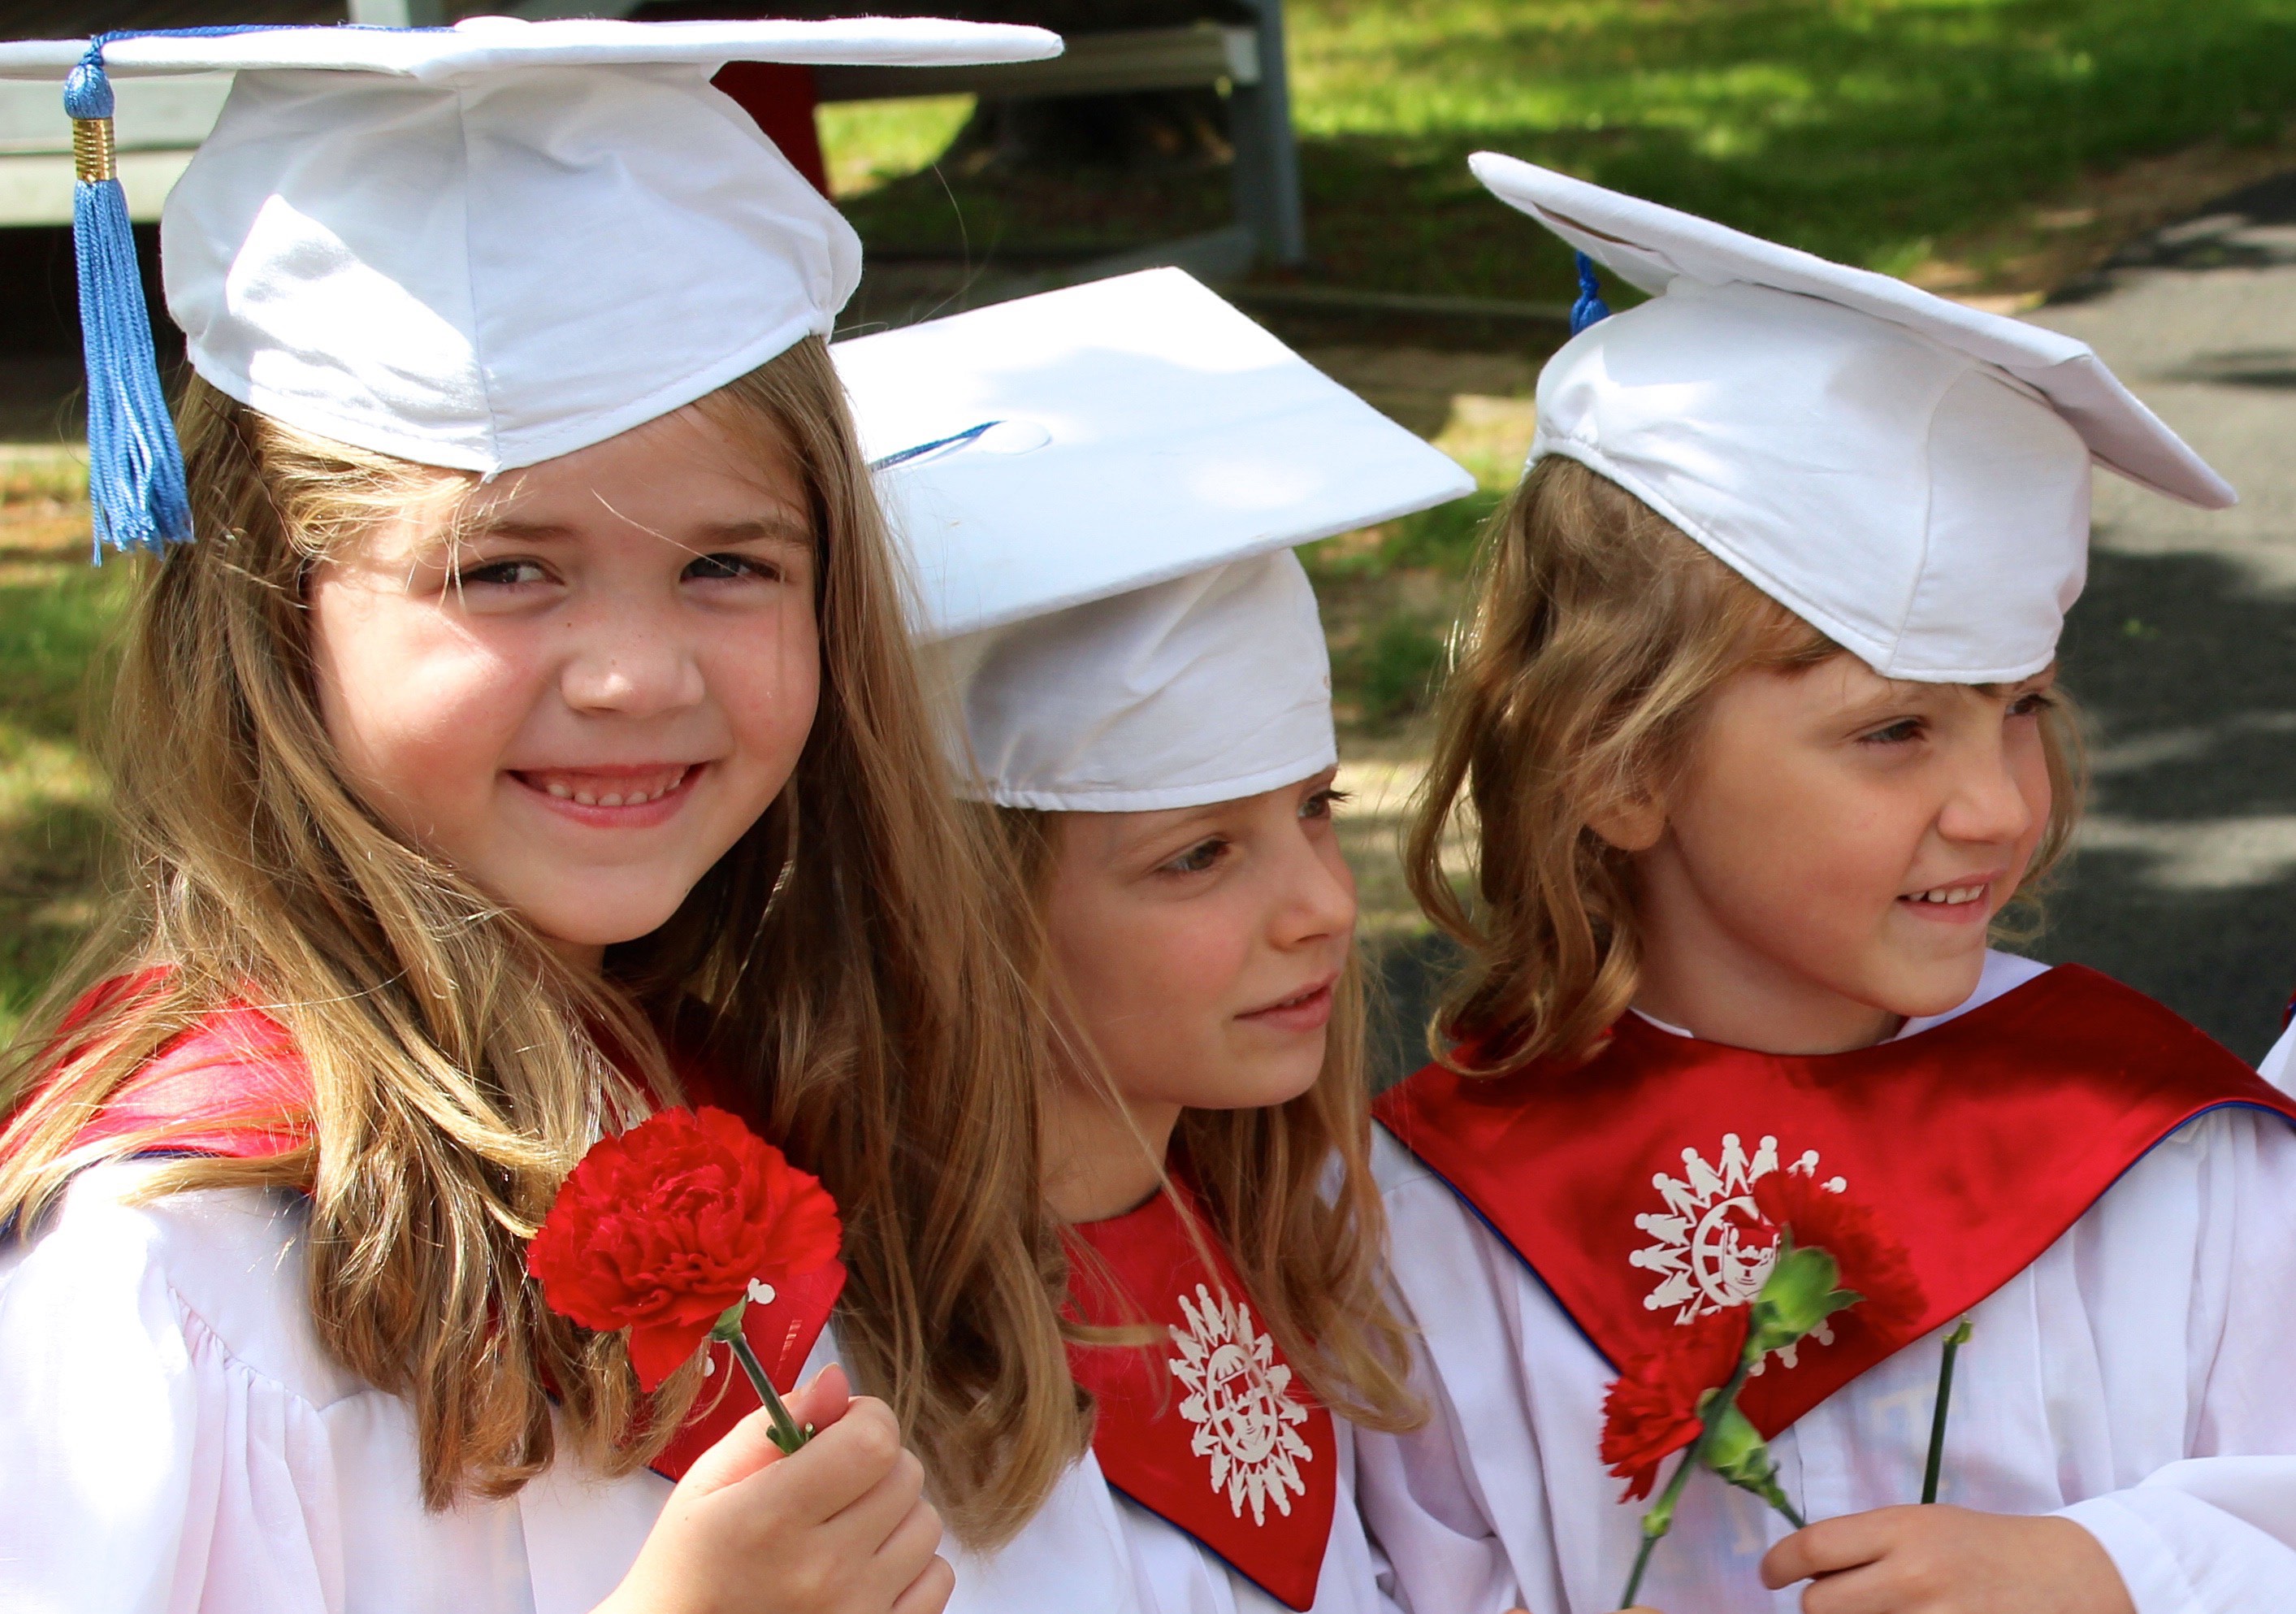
{"x":235,"y":1087}
{"x":1206,"y":1426}
{"x":1977,"y":1143}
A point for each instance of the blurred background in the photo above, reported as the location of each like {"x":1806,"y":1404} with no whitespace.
{"x":2121,"y":169}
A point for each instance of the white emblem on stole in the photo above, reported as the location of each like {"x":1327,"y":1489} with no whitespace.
{"x":1239,"y":1398}
{"x":1705,"y":1254}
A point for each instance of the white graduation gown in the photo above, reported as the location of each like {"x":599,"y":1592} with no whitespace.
{"x":1092,"y":1551}
{"x":2139,"y":1378}
{"x":2279,"y":1066}
{"x":173,"y":1438}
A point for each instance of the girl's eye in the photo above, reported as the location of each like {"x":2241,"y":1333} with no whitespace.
{"x":2033,"y":704}
{"x":502,"y":573}
{"x":1324,"y":804}
{"x":1198,"y":859}
{"x":1903,"y":732}
{"x":727,"y":568}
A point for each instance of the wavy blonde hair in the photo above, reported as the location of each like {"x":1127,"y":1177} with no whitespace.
{"x":848,"y":967}
{"x":1288,"y":1190}
{"x":1598,"y":632}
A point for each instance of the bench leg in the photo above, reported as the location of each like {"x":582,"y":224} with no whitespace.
{"x":400,"y":13}
{"x":1267,"y":156}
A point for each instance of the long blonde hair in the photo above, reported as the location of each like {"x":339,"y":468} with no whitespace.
{"x":1288,"y":1190}
{"x":1599,"y":630}
{"x":844,"y":969}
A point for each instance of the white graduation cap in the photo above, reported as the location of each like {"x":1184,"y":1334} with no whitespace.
{"x":1909,"y":475}
{"x":478,"y":246}
{"x":1099,"y":490}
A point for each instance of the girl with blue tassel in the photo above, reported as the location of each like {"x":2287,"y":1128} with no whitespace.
{"x":517,"y":732}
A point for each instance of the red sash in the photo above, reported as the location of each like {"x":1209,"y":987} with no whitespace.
{"x":1977,"y":1143}
{"x":235,"y":1087}
{"x":1207,"y":1428}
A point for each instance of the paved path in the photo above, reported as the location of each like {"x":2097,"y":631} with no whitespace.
{"x":2183,"y":650}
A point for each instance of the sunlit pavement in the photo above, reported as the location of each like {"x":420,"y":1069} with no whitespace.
{"x":2183,"y":650}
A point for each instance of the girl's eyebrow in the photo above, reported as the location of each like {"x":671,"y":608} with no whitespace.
{"x":779,"y":529}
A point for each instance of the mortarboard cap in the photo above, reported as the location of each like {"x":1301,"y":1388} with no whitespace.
{"x":1099,"y":490}
{"x":1909,"y":475}
{"x":478,"y":246}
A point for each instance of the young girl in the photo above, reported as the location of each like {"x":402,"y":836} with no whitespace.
{"x":530,"y":732}
{"x":1755,"y":739}
{"x":1161,"y":761}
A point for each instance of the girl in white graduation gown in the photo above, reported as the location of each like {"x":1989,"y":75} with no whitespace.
{"x":1161,"y":759}
{"x":517,"y":731}
{"x":1753,"y":739}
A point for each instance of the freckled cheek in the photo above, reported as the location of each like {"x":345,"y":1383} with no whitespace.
{"x":768,"y":683}
{"x":422,"y":719}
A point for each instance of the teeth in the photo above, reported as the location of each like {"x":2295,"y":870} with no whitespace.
{"x":565,"y":792}
{"x":1951,"y":895}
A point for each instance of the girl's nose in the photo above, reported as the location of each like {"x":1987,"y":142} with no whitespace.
{"x":1988,"y":805}
{"x":629,"y":668}
{"x":1319,"y":899}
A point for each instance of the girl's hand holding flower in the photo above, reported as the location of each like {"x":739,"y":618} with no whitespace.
{"x":667,"y":1232}
{"x":1938,"y":1560}
{"x":840,"y":1526}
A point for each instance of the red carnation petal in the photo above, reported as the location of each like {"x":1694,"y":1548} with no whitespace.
{"x":1871,"y":1263}
{"x":661,"y":1229}
{"x":659,"y":1350}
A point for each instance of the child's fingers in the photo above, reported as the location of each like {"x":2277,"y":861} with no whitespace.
{"x":840,"y":1465}
{"x":909,"y":1551}
{"x":741,"y":1452}
{"x":929,"y":1591}
{"x":1829,"y":1547}
{"x":822,"y":1401}
{"x":868,"y":1523}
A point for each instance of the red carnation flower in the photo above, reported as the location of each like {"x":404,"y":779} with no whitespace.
{"x":1652,"y":1410}
{"x":1871,"y":1262}
{"x":661,"y":1230}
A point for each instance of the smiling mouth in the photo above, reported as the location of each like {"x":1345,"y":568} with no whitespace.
{"x":1305,"y":997}
{"x":1950,"y":896}
{"x":607,"y":788}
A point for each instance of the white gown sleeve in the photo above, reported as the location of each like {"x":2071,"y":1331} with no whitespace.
{"x":144,"y":1466}
{"x":2275,"y":1066}
{"x":1422,"y":1502}
{"x":2216,"y":1533}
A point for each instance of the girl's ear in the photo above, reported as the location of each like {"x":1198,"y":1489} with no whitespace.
{"x":1630,"y":818}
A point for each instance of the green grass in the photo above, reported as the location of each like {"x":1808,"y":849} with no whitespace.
{"x":54,"y":615}
{"x":1869,"y":131}
{"x":867,"y":142}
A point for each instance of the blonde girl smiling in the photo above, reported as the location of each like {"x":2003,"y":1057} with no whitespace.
{"x":503,"y":759}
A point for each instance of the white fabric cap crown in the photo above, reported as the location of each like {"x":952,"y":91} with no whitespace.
{"x":489,"y":245}
{"x":1909,"y":476}
{"x":1100,"y":526}
{"x":1205,"y":689}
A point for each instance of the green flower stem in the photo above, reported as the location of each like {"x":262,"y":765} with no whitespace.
{"x":1659,"y":1519}
{"x":1935,"y":1467}
{"x":785,"y":1434}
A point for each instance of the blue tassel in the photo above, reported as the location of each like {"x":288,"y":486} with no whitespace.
{"x":1590,"y":306}
{"x":135,"y":465}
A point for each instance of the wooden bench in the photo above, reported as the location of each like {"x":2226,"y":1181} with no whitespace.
{"x":160,"y":122}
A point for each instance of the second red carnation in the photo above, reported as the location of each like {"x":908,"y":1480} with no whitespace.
{"x":1652,"y":1409}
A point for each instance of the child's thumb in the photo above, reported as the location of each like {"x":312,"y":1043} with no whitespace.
{"x":748,"y":1447}
{"x":823,"y":1401}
